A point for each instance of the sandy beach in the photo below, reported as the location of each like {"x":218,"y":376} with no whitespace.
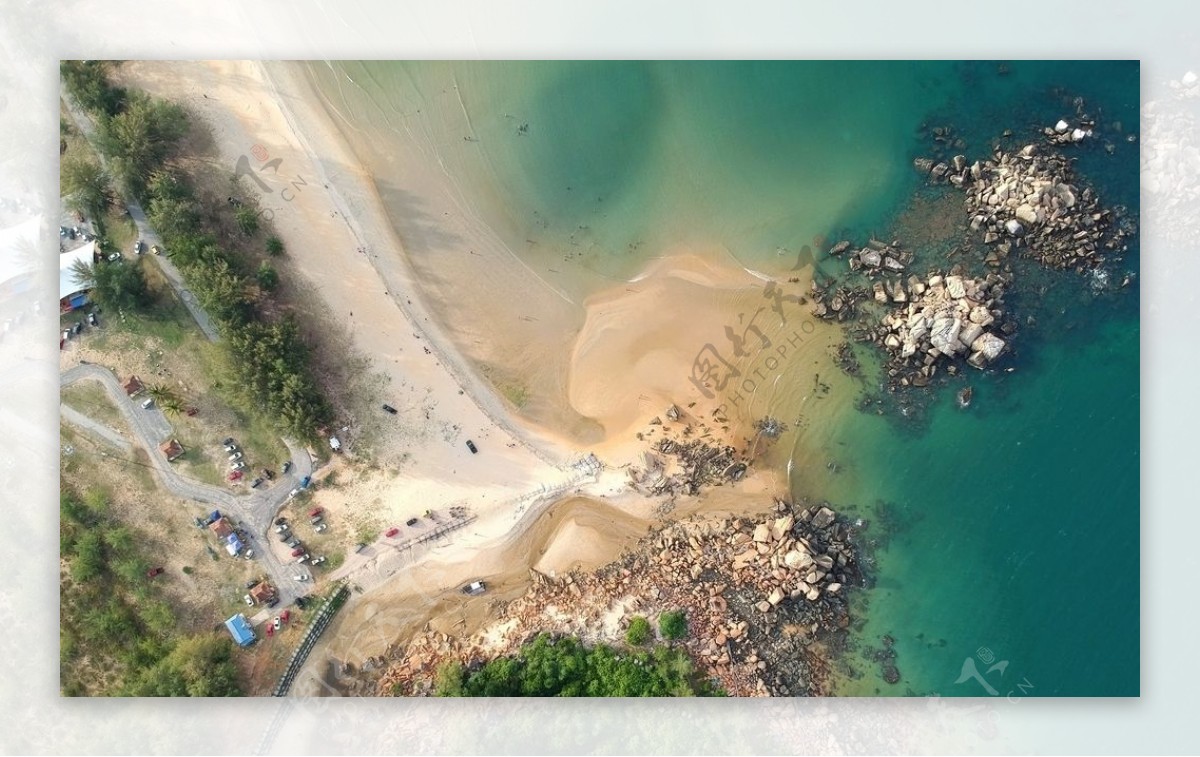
{"x":601,"y":368}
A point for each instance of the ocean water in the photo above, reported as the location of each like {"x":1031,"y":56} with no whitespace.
{"x":1007,"y":533}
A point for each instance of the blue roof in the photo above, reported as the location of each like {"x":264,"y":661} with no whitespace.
{"x":240,"y":630}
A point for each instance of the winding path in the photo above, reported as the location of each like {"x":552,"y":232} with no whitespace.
{"x":255,"y":511}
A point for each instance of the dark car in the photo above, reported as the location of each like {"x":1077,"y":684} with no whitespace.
{"x":471,"y":446}
{"x":227,"y":440}
{"x":252,"y":583}
{"x":411,"y":522}
{"x":256,"y":483}
{"x":287,"y":466}
{"x":280,"y":520}
{"x":273,"y":601}
{"x":390,"y":409}
{"x":268,"y":473}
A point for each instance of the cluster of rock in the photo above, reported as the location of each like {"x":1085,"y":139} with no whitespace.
{"x":941,"y":319}
{"x":686,"y":457}
{"x":1063,"y":133}
{"x":835,"y":303}
{"x":756,"y":592}
{"x":1028,"y":199}
{"x":876,"y":258}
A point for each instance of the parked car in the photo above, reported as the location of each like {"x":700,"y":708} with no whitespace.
{"x":360,"y":546}
{"x":304,"y":482}
{"x":410,"y":522}
{"x":318,"y":560}
{"x":297,"y":552}
{"x":322,"y":527}
{"x":154,"y":572}
{"x":230,"y":447}
{"x":92,"y":319}
{"x":471,"y":446}
{"x":284,"y":536}
{"x":272,"y":601}
{"x":287,"y":466}
{"x":276,"y":624}
{"x":227,"y":440}
{"x":302,"y":577}
{"x":155,"y":249}
{"x":392,"y":532}
{"x":238,"y":466}
{"x":314,"y":521}
{"x":302,"y":558}
{"x":280,"y":520}
{"x":293,"y":542}
{"x":114,"y":257}
{"x":315,"y":512}
{"x":236,"y":475}
{"x":475,"y":587}
{"x":293,"y":493}
{"x":268,"y":474}
{"x":138,"y":246}
{"x":281,"y":528}
{"x":236,"y":456}
{"x":270,"y":630}
{"x":390,"y":409}
{"x":256,"y":483}
{"x":248,"y":600}
{"x":285,"y":616}
{"x":148,"y":404}
{"x":251,"y":583}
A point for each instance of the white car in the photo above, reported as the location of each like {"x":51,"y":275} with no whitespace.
{"x":322,"y":527}
{"x":231,"y":448}
{"x":248,"y":600}
{"x":114,"y":257}
{"x":302,"y":578}
{"x":277,"y":623}
{"x":147,"y":404}
{"x":235,"y":457}
{"x":318,"y":560}
{"x":237,"y":466}
{"x":281,"y":528}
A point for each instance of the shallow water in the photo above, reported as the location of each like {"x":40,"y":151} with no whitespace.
{"x":1011,"y":529}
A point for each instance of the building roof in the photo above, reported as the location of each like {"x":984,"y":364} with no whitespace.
{"x":133,"y":385}
{"x":171,"y":448}
{"x":262,"y":591}
{"x":221,"y":527}
{"x":233,"y":545}
{"x":240,"y":630}
{"x":68,"y":284}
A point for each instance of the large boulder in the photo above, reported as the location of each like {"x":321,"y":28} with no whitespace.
{"x":762,"y":533}
{"x":870,"y":258}
{"x":823,"y":518}
{"x":944,"y":333}
{"x":970,"y":332}
{"x":1014,"y":227}
{"x":1027,"y":214}
{"x":955,"y":287}
{"x":989,"y":346}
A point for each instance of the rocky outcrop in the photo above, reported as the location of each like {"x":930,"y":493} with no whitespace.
{"x":1030,"y":199}
{"x":942,"y":320}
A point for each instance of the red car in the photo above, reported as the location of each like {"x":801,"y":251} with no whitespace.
{"x":236,"y":476}
{"x":297,"y":551}
{"x":314,"y":512}
{"x":392,"y":532}
{"x":270,"y":630}
{"x":285,"y":615}
{"x":154,"y":572}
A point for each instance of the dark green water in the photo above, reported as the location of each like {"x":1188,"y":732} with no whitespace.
{"x":1012,"y":526}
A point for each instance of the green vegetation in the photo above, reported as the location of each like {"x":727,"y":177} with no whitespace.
{"x":116,"y":286}
{"x":564,"y":667}
{"x":673,"y":625}
{"x":274,"y":246}
{"x":638,"y":632}
{"x":85,"y":185}
{"x":247,"y":220}
{"x":268,"y":359}
{"x":267,"y":276}
{"x":117,"y":637}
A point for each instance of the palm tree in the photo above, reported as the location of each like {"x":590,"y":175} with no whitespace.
{"x":166,"y":398}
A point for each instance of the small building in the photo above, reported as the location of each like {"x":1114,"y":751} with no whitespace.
{"x":73,"y":293}
{"x":222,"y":528}
{"x":133,"y":386}
{"x":172,"y":449}
{"x":262,"y":592}
{"x":240,"y":630}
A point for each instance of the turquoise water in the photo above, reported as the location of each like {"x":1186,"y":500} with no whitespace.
{"x":1012,"y":526}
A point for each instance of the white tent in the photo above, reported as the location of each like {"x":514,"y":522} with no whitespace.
{"x":67,"y":282}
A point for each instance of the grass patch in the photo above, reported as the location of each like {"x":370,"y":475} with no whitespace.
{"x":197,"y":463}
{"x":89,"y":398}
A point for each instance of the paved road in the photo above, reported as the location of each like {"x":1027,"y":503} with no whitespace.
{"x":104,"y":433}
{"x":145,"y":231}
{"x":256,"y":511}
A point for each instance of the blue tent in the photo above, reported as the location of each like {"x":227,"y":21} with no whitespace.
{"x":240,"y":630}
{"x":233,"y":545}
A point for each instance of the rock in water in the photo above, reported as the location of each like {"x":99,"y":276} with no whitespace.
{"x":1061,"y":127}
